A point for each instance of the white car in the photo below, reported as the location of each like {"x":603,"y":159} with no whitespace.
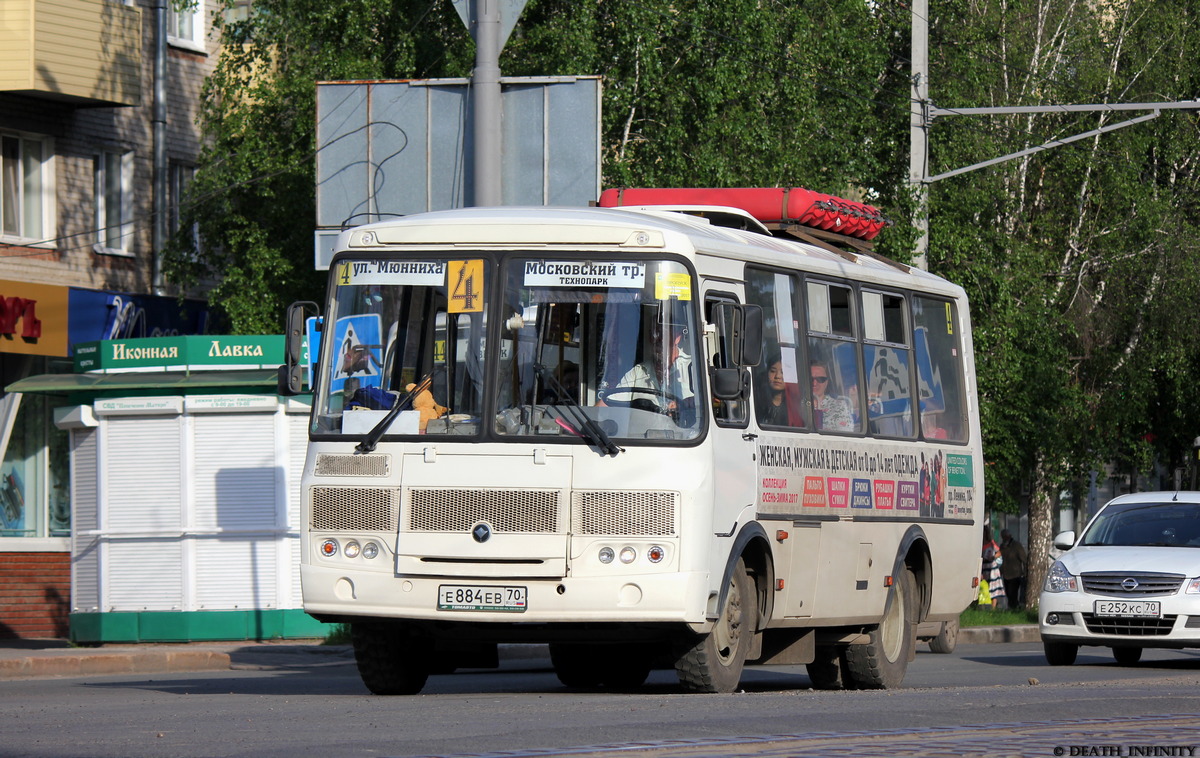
{"x":1131,"y":581}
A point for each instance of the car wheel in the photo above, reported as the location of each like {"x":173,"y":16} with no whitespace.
{"x":1060,"y":653}
{"x":1127,"y":656}
{"x":946,"y":639}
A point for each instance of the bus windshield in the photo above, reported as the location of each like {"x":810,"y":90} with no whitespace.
{"x":586,"y":350}
{"x":612,"y":341}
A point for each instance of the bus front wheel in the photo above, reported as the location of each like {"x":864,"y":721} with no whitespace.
{"x":714,"y":663}
{"x":881,"y":663}
{"x":389,"y":661}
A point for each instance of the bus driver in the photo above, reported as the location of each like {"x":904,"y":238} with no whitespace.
{"x":667,"y":387}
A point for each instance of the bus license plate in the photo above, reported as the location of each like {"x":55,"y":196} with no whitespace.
{"x":474,"y":597}
{"x":1136,"y":608}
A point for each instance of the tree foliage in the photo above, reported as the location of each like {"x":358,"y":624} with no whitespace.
{"x":1082,"y":261}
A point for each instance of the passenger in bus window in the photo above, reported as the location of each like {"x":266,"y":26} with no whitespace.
{"x":831,"y":411}
{"x":779,"y":399}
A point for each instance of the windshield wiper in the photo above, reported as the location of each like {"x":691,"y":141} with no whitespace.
{"x":372,"y":437}
{"x":588,"y":429}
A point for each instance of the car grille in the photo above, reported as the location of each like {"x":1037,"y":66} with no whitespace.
{"x":1128,"y":627}
{"x":1112,"y":583}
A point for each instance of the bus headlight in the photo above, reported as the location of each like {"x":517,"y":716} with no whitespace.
{"x":352,"y":549}
{"x":329,"y":548}
{"x":370,"y":550}
{"x":656,"y":553}
{"x":606,"y":555}
{"x":628,"y":555}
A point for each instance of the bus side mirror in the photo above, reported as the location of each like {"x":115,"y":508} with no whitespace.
{"x":291,"y":373}
{"x":752,"y":336}
{"x":742,"y":326}
{"x":726,"y":383}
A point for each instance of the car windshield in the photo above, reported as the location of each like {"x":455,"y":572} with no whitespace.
{"x":1169,"y":524}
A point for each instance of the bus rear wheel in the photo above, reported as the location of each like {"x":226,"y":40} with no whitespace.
{"x":714,"y":663}
{"x":827,"y":671}
{"x":389,"y":661}
{"x":881,"y":663}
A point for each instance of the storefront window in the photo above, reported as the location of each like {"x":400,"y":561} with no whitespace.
{"x":35,"y":496}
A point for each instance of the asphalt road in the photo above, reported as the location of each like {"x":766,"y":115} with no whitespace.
{"x":984,"y":699}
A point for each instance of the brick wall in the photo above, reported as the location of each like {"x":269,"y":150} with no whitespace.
{"x":35,"y":594}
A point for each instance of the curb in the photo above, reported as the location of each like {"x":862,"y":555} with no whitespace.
{"x":123,"y":662}
{"x":984,"y":634}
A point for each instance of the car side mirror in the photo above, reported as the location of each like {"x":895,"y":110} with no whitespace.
{"x":1064,"y":540}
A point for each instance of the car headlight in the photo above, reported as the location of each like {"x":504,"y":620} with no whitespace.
{"x":1060,"y":580}
{"x":1192,"y":587}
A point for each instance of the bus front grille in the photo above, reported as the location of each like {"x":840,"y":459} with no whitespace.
{"x":626,"y":514}
{"x":356,"y":508}
{"x":459,"y":510}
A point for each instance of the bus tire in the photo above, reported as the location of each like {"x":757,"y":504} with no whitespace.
{"x":714,"y":662}
{"x":389,"y":661}
{"x":946,"y":639}
{"x":881,"y":663}
{"x":827,"y":671}
{"x":618,"y":667}
{"x":575,"y":665}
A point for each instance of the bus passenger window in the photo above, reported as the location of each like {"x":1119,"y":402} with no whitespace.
{"x":834,"y":360}
{"x":940,"y":391}
{"x":777,"y":385}
{"x":886,"y":357}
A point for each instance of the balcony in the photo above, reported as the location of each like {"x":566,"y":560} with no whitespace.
{"x":86,"y":53}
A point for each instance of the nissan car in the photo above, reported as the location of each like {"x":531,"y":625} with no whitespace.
{"x":1129,"y":582}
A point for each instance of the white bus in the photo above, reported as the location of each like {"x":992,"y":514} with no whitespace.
{"x":647,"y":437}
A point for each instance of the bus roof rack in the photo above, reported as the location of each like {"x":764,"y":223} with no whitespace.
{"x":829,"y":222}
{"x":789,"y":206}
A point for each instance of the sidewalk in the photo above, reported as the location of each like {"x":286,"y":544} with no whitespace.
{"x":23,"y":659}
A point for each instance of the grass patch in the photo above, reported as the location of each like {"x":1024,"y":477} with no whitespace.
{"x":976,"y":616}
{"x":339,"y":635}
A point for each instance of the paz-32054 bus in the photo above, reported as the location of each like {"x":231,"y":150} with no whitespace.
{"x":647,"y":437}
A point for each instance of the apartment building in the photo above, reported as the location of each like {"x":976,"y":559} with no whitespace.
{"x":98,"y":104}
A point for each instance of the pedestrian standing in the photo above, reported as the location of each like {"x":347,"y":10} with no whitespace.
{"x":1013,"y":569}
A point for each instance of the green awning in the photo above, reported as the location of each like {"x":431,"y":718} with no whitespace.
{"x":158,"y":381}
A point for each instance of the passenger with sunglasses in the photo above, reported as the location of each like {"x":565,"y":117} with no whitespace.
{"x":830,"y":411}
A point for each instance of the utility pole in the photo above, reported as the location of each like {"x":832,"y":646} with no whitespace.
{"x":918,"y":129}
{"x":922,"y":113}
{"x":485,"y":98}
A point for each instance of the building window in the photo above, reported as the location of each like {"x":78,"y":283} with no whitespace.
{"x":114,"y":203}
{"x":26,"y":188}
{"x":185,"y":24}
{"x":179,"y":178}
